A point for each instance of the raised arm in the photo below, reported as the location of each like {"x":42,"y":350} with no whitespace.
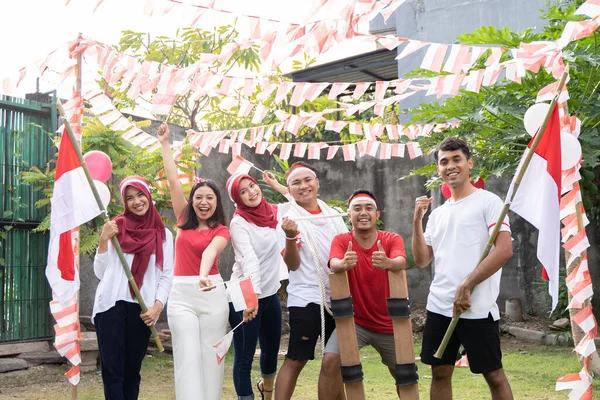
{"x":422,"y":253}
{"x":270,"y":180}
{"x":177,"y":196}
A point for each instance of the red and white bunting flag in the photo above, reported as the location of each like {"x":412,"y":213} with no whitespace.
{"x":463,"y":362}
{"x":241,"y":294}
{"x":398,"y":150}
{"x":300,"y":149}
{"x":580,"y":384}
{"x":474,"y":80}
{"x":569,"y":201}
{"x":239,"y":165}
{"x":582,"y":290}
{"x":314,"y":90}
{"x":456,"y":59}
{"x":314,"y":151}
{"x":73,"y":375}
{"x":261,"y":147}
{"x":224,"y":145}
{"x":361,"y":88}
{"x":71,"y":351}
{"x":66,"y":334}
{"x":244,"y":108}
{"x":298,"y":94}
{"x":361,"y":147}
{"x":538,"y":198}
{"x":577,"y":274}
{"x":434,"y":57}
{"x":385,"y":152}
{"x":586,"y":347}
{"x":585,"y":319}
{"x":355,"y":128}
{"x":392,"y":131}
{"x":259,"y":114}
{"x":336,"y":89}
{"x":72,"y":204}
{"x":272,"y":147}
{"x":380,"y":88}
{"x":332,"y":151}
{"x":414,"y":150}
{"x":66,"y":314}
{"x":576,"y":246}
{"x":411,"y":47}
{"x":390,"y":42}
{"x":282,"y":90}
{"x":293,"y":124}
{"x":349,"y":151}
{"x":222,"y":347}
{"x":372,"y":147}
{"x":285,"y":151}
{"x":591,"y":8}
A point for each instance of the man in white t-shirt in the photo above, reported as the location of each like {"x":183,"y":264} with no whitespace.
{"x":306,"y":255}
{"x":456,"y":236}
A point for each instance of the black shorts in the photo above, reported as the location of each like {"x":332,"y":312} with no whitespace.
{"x":305,"y":328}
{"x":479,"y":337}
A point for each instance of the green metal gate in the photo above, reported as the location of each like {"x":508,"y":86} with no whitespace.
{"x":24,"y":292}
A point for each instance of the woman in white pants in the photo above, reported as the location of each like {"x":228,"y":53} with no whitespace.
{"x":197,"y":309}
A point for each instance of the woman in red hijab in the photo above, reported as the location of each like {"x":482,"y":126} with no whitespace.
{"x":257,"y":244}
{"x":121,"y":328}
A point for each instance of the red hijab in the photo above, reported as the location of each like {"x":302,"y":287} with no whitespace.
{"x":140,"y":235}
{"x":264,"y":214}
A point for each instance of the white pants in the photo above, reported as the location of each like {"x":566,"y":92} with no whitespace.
{"x":197,"y":320}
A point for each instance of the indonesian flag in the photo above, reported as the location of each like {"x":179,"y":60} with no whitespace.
{"x":241,"y":294}
{"x":222,"y":346}
{"x":72,"y":204}
{"x":239,"y":165}
{"x":538,"y":197}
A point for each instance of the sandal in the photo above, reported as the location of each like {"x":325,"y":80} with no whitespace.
{"x":261,"y":390}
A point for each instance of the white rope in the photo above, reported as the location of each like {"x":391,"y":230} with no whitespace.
{"x":334,"y":226}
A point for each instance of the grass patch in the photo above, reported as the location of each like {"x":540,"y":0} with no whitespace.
{"x":531,"y":370}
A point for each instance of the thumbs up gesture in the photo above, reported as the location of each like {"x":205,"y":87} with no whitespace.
{"x":350,"y":258}
{"x":380,"y":259}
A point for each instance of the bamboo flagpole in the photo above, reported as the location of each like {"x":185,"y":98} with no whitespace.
{"x":517,"y":181}
{"x":114,"y":240}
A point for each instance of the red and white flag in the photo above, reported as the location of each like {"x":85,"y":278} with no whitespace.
{"x":239,"y":165}
{"x":72,"y":204}
{"x":222,"y":346}
{"x":241,"y":294}
{"x":538,"y":200}
{"x":463,"y":362}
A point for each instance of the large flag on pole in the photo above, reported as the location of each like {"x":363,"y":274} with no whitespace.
{"x":538,"y":200}
{"x":72,"y":204}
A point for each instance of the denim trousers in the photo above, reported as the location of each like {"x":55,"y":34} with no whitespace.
{"x":265,"y":329}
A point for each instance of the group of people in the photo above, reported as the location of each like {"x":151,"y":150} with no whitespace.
{"x":310,"y":240}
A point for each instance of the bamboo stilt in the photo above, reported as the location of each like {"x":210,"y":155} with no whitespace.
{"x":346,"y":332}
{"x":403,"y":337}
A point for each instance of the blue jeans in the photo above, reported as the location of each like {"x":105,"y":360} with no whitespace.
{"x":265,"y":329}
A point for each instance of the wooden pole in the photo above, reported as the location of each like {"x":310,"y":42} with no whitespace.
{"x":519,"y":177}
{"x":77,"y":145}
{"x":346,"y":332}
{"x":403,"y":336}
{"x":113,"y":240}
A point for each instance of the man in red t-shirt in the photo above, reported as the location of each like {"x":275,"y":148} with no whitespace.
{"x":366,"y":254}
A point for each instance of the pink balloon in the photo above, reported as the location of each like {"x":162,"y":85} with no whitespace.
{"x":446,"y":190}
{"x":99,"y":165}
{"x":479,"y":183}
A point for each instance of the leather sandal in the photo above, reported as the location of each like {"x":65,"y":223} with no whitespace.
{"x":261,"y":389}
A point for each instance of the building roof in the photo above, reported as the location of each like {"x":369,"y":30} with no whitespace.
{"x":377,"y":65}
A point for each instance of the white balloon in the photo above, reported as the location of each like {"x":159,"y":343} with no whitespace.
{"x":570,"y":150}
{"x":103,"y":192}
{"x":534,"y":116}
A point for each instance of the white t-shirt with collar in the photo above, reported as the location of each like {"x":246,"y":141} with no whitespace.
{"x":458,"y":232}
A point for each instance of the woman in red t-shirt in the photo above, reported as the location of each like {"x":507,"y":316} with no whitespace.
{"x":197,"y":309}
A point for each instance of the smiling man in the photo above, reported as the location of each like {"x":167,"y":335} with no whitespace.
{"x":306,"y":253}
{"x":456,"y":236}
{"x":367,"y":254}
